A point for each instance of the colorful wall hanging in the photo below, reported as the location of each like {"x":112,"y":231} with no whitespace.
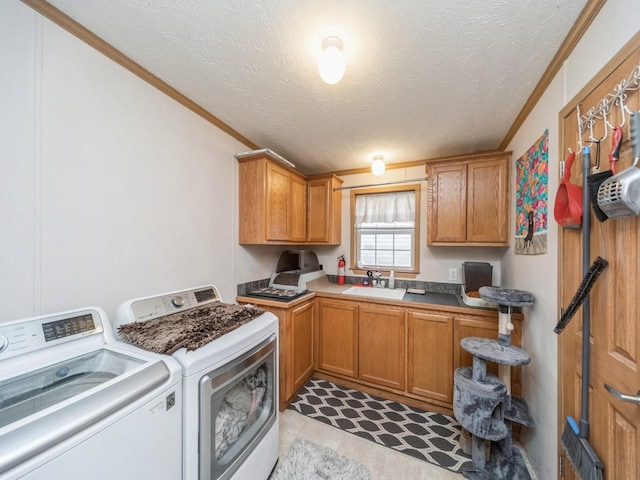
{"x":532,"y":198}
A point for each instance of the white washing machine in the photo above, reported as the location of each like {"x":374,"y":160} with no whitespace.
{"x":77,"y":404}
{"x":230,"y":385}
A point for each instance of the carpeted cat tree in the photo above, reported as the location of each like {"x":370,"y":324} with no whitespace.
{"x":483,"y":404}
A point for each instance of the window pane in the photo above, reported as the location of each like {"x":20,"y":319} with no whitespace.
{"x":403,"y":259}
{"x":384,"y":258}
{"x":403,"y":241}
{"x":385,"y":242}
{"x":367,"y":241}
{"x":368,"y":257}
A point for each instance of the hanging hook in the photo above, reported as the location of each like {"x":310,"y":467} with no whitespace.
{"x":620,"y":101}
{"x":591,"y":121}
{"x":604,"y":108}
{"x":607,"y":123}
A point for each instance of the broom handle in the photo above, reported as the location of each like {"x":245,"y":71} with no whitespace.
{"x":586,"y":308}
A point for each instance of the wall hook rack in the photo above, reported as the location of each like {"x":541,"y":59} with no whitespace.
{"x":602,"y":109}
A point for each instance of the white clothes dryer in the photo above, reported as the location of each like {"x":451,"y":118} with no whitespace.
{"x":230,"y":385}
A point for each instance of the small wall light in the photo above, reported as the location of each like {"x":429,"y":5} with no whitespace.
{"x":331,"y":63}
{"x":378,"y":166}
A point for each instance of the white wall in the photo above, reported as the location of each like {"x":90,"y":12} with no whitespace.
{"x":18,"y":49}
{"x":110,"y":189}
{"x":617,"y":22}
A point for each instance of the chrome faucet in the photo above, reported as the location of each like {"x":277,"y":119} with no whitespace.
{"x":376,"y":279}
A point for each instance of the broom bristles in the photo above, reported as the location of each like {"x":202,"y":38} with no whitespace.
{"x":582,"y":456}
{"x":597,"y":267}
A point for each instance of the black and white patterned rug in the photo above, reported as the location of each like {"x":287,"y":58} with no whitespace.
{"x":428,"y":436}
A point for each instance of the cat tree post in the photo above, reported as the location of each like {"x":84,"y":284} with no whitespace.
{"x":483,"y":404}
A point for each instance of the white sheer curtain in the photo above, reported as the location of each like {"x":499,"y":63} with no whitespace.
{"x":386,"y":207}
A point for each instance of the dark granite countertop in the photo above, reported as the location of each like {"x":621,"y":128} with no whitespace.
{"x":322,"y":286}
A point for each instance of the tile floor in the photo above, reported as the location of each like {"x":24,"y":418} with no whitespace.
{"x":383,"y":463}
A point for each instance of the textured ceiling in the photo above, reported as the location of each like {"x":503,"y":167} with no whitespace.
{"x":424,"y":79}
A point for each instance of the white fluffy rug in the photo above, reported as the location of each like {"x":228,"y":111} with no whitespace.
{"x":308,"y":461}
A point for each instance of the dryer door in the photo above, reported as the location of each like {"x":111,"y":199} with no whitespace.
{"x":237,"y":408}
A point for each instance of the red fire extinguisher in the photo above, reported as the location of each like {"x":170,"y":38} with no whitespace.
{"x":341,"y":270}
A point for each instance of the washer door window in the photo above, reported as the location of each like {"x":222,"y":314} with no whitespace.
{"x":237,"y":408}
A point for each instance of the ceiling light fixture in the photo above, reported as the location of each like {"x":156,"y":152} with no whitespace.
{"x":378,"y":166}
{"x":331,"y":63}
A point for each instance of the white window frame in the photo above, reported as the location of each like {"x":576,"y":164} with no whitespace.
{"x":355,"y":233}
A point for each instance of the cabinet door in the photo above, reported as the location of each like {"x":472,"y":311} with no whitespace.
{"x":300,"y":348}
{"x":298,"y":209}
{"x":277,"y":211}
{"x":382,"y":346}
{"x":430,"y":356}
{"x":324,"y":211}
{"x":319,"y":210}
{"x":447,"y":204}
{"x":337,"y":334}
{"x":487,"y":201}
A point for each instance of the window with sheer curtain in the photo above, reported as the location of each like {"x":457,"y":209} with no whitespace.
{"x":385,"y":234}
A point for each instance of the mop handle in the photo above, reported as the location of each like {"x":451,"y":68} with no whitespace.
{"x":586,"y":308}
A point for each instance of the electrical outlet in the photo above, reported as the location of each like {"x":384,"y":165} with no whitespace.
{"x":453,"y":274}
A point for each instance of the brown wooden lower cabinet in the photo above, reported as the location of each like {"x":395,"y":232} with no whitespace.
{"x":337,"y":337}
{"x":408,"y":352}
{"x":430,"y":356}
{"x":381,"y":338}
{"x":299,"y":354}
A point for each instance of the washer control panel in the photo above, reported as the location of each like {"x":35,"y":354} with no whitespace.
{"x":29,"y":335}
{"x":162,"y":305}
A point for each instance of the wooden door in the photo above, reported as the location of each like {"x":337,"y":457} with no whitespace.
{"x":487,"y":199}
{"x":430,"y":356}
{"x":447,"y":203}
{"x":337,"y":334}
{"x":614,"y":301}
{"x":381,"y":346}
{"x":300,"y":349}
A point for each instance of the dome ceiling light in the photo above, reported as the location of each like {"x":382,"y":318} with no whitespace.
{"x":378,"y":166}
{"x":331,"y":64}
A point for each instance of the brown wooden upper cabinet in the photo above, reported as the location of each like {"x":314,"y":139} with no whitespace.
{"x":468,"y":201}
{"x":324,"y":210}
{"x":280,"y":206}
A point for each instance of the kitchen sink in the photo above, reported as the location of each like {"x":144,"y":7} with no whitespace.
{"x":448,"y":299}
{"x":393,"y":294}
